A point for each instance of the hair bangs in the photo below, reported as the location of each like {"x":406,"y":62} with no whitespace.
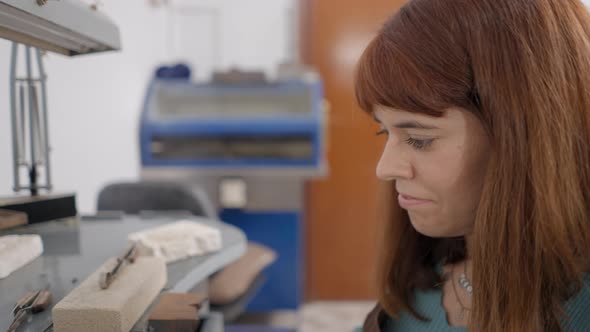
{"x":387,"y":77}
{"x":410,"y":70}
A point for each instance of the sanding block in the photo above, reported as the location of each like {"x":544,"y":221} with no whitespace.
{"x":117,"y":308}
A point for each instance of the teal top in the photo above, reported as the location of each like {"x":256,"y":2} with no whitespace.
{"x":428,"y":303}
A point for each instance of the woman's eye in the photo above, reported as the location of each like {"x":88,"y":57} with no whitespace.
{"x":419,"y":144}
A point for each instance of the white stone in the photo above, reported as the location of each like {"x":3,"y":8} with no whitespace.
{"x":17,"y":251}
{"x":177,"y":240}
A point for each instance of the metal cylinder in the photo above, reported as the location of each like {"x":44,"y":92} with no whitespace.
{"x":13,"y":113}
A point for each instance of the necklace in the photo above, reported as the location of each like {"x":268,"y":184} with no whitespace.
{"x":465,"y":283}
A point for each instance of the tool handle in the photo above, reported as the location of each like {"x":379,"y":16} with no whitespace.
{"x":42,"y":302}
{"x":105,"y":280}
{"x":24,"y":302}
{"x":19,"y":318}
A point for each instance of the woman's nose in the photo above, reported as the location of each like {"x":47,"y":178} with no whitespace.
{"x":394,"y":163}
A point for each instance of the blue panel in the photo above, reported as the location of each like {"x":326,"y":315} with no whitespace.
{"x":282,"y":232}
{"x":234,"y":126}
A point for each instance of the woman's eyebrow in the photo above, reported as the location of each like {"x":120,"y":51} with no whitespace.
{"x":407,"y":124}
{"x":413,"y":125}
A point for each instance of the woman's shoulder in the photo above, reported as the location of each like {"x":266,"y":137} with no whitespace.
{"x":578,"y":308}
{"x":427,"y":303}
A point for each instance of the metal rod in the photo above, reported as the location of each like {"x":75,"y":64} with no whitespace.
{"x":20,"y":79}
{"x":36,"y":129}
{"x":22,"y":132}
{"x":33,"y":166}
{"x":15,"y":138}
{"x":45,"y":125}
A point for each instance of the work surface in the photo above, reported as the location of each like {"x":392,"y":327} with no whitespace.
{"x":74,"y":248}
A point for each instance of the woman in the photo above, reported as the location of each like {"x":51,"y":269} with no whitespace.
{"x":486,"y":108}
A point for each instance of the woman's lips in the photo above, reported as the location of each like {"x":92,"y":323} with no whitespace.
{"x":407,"y":202}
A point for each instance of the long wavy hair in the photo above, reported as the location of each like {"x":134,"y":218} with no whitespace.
{"x":523,"y":68}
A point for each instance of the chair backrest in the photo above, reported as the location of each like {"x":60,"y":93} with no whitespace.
{"x":134,"y":197}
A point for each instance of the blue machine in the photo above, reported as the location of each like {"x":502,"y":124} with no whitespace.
{"x":251,"y":147}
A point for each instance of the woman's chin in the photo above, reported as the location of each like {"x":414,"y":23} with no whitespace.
{"x":432,"y":229}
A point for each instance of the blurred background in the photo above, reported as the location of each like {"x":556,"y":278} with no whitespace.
{"x":95,"y":118}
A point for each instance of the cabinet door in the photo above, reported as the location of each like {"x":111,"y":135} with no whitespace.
{"x":341,"y":219}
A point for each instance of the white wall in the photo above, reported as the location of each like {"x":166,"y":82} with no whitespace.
{"x":94,"y":101}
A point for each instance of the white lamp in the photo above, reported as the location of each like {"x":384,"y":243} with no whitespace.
{"x":69,"y":27}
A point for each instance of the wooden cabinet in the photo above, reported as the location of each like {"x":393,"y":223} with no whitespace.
{"x":341,"y":222}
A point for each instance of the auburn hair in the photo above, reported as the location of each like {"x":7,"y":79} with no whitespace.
{"x":523,"y":68}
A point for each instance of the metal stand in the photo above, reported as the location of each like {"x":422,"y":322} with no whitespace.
{"x":27,"y":118}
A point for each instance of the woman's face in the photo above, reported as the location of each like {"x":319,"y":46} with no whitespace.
{"x":438,"y":165}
